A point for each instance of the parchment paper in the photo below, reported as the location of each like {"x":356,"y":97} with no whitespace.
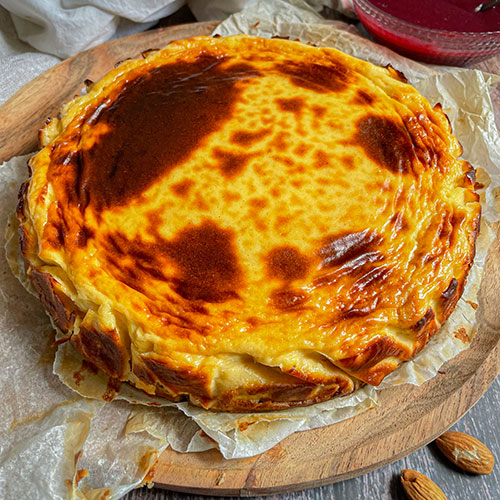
{"x":58,"y":443}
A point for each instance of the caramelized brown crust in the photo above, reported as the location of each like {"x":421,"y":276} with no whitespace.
{"x":249,"y":224}
{"x":58,"y":305}
{"x":104,"y":349}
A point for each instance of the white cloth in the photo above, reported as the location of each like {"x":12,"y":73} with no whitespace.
{"x":64,"y":27}
{"x":37,"y":34}
{"x":19,"y":63}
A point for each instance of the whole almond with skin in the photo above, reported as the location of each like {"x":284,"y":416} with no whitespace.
{"x":420,"y":487}
{"x":466,"y":452}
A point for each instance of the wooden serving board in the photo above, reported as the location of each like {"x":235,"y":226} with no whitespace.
{"x":408,"y":417}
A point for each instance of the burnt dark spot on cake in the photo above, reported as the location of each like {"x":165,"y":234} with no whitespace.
{"x":286,"y":263}
{"x":376,"y":352}
{"x":301,"y":149}
{"x":450,"y":296}
{"x":320,"y":78}
{"x":385,"y":142}
{"x":340,"y":248}
{"x":102,"y":347}
{"x":231,"y":163}
{"x":348,"y":162}
{"x":275,"y":192}
{"x":182,"y":188}
{"x":291,"y":105}
{"x":399,"y":75}
{"x":282,"y":220}
{"x":186,"y":380}
{"x":82,"y":236}
{"x":363,"y":98}
{"x":321,"y":159}
{"x":280,"y":142}
{"x":258,"y":203}
{"x":207,"y":261}
{"x":230,"y":196}
{"x":54,"y":234}
{"x":318,"y":111}
{"x":57,"y":304}
{"x":398,"y":221}
{"x":200,"y":262}
{"x":371,"y":277}
{"x":154,"y":122}
{"x":247,"y":138}
{"x":424,"y":322}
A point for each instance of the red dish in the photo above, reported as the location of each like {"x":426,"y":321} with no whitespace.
{"x":434,"y":33}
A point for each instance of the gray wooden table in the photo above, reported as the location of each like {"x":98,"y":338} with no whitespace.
{"x":482,"y":421}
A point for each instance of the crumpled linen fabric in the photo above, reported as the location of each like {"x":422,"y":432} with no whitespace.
{"x":64,"y":27}
{"x":19,"y":63}
{"x":37,"y":34}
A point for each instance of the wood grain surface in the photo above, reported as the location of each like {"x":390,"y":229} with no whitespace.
{"x":407,"y":418}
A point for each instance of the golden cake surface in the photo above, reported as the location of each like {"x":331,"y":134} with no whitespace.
{"x":250,"y":224}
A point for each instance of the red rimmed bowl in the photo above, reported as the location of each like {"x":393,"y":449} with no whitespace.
{"x":430,"y":45}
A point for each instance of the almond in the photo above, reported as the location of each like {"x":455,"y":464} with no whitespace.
{"x":420,"y":487}
{"x":466,"y":452}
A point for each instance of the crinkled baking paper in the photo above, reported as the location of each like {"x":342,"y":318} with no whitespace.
{"x":59,"y":439}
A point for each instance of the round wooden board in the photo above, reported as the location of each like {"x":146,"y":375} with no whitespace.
{"x":407,"y":418}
